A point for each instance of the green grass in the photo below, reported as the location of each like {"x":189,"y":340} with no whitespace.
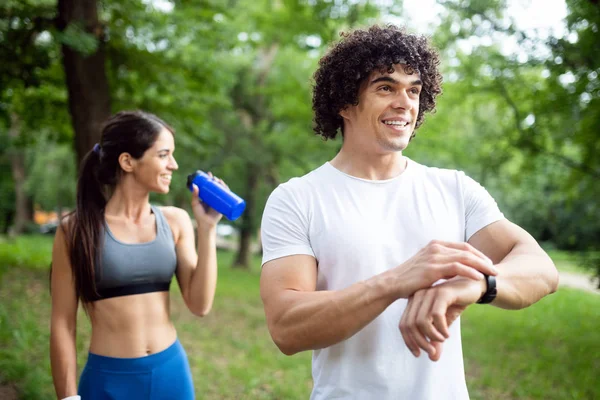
{"x":548,"y":351}
{"x":31,"y":251}
{"x":230,"y":351}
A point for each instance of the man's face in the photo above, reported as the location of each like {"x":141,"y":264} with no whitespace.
{"x":386,"y":114}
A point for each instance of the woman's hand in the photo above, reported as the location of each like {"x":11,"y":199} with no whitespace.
{"x":206,"y":217}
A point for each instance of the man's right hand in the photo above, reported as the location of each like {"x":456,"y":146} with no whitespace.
{"x":440,"y":260}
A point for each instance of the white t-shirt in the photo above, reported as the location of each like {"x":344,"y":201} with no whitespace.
{"x":357,"y":228}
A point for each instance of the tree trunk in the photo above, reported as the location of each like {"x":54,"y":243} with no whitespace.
{"x":87,"y":84}
{"x":23,"y":206}
{"x":249,"y":220}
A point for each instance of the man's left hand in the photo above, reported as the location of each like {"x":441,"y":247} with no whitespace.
{"x":430,"y":312}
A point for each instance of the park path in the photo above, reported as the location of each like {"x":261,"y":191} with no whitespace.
{"x":8,"y":392}
{"x":578,"y":281}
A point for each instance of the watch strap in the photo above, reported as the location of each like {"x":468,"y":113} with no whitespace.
{"x":491,"y":291}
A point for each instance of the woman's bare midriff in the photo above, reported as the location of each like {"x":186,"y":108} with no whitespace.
{"x":131,"y":326}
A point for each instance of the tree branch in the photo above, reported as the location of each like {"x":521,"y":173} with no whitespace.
{"x":524,"y":138}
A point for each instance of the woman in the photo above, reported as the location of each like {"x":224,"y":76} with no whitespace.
{"x":117,"y":254}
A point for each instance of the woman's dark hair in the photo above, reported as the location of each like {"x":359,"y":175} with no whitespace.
{"x":348,"y":63}
{"x":131,"y":132}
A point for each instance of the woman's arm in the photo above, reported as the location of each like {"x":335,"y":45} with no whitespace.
{"x":63,"y":320}
{"x":196,"y":264}
{"x":197,"y":271}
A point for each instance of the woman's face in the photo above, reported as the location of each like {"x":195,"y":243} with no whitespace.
{"x":155,"y":169}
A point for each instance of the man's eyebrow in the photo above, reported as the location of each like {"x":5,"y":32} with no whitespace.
{"x":166,"y":149}
{"x":389,"y":79}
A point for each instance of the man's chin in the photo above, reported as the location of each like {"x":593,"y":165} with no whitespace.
{"x":396,"y":145}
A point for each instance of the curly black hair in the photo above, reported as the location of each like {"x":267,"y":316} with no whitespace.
{"x":349,"y":62}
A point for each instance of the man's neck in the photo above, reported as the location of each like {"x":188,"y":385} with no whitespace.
{"x":375,"y":167}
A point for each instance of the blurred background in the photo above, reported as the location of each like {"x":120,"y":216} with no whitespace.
{"x":520,"y":113}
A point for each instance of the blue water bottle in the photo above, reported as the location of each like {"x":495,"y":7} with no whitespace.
{"x":217,"y":196}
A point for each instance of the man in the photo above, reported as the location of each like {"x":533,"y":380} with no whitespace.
{"x":372,"y":241}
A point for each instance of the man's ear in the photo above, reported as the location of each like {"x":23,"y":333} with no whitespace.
{"x":344,"y":112}
{"x":126,"y":162}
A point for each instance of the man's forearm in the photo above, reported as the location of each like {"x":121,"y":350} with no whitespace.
{"x":526,"y":275}
{"x":304,"y":319}
{"x":315,"y":320}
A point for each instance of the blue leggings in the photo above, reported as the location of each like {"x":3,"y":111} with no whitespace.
{"x":163,"y":375}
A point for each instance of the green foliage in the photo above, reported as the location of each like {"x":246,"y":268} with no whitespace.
{"x":23,"y":50}
{"x":528,"y":122}
{"x":235,"y":78}
{"x":591,"y":260}
{"x":32,"y":93}
{"x":52,"y":180}
{"x":76,"y":37}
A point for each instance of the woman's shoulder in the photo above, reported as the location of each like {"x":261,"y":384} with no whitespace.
{"x":175,"y":216}
{"x":173,"y":212}
{"x":66,"y":224}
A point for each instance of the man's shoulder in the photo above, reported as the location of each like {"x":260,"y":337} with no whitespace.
{"x":296,"y":193}
{"x":449,"y":180}
{"x":305,"y":182}
{"x":437,"y":173}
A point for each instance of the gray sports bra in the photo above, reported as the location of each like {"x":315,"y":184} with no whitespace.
{"x":125,"y":269}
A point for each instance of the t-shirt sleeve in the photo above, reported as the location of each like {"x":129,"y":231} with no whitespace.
{"x":480,"y":207}
{"x":284,"y":227}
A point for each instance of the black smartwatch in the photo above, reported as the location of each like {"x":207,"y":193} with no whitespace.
{"x":490,"y":293}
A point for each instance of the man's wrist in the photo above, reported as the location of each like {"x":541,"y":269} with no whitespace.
{"x":483,"y":286}
{"x":490,"y":290}
{"x":386,"y":286}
